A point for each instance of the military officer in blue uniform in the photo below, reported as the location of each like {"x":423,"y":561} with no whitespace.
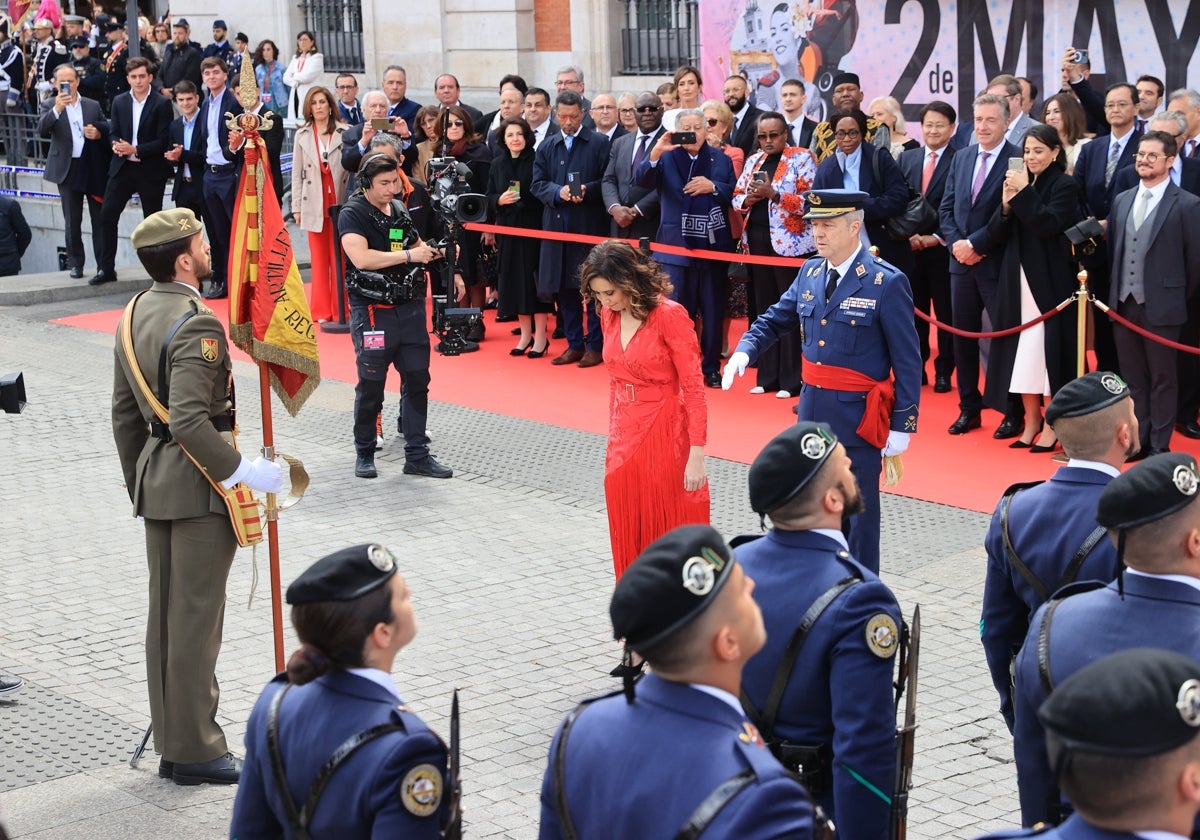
{"x":1152,"y":514}
{"x":1122,"y":732}
{"x":675,"y":748}
{"x":862,"y":361}
{"x":1044,"y":535}
{"x":352,"y":612}
{"x":834,"y":721}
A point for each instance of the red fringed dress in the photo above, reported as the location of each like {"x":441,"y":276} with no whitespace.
{"x":657,"y":413}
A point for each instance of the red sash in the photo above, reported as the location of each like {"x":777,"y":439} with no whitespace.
{"x":881,"y":397}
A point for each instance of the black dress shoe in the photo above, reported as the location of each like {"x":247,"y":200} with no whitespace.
{"x":502,"y":318}
{"x":225,"y":770}
{"x":941,"y":384}
{"x":558,"y":333}
{"x":166,"y":769}
{"x":966,"y":421}
{"x":712,"y":380}
{"x":77,"y":273}
{"x":1189,"y":429}
{"x":364,"y":466}
{"x":102,"y":277}
{"x":1010,"y":427}
{"x":216,"y":290}
{"x":427,"y":466}
{"x":1145,"y":452}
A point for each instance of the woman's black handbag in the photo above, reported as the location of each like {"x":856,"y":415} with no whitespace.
{"x":919,"y":215}
{"x":1085,"y":237}
{"x":739,"y":271}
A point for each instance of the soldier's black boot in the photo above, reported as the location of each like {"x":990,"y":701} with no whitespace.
{"x":364,"y":466}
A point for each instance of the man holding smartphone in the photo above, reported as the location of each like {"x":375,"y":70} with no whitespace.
{"x":357,"y":138}
{"x":77,"y":161}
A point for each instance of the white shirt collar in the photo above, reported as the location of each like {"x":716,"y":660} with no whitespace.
{"x":1156,"y":192}
{"x":722,"y":695}
{"x":843,"y":268}
{"x":1098,"y":466}
{"x":1159,"y":835}
{"x":191,"y":289}
{"x":833,"y":534}
{"x":380,"y":678}
{"x":1184,"y":579}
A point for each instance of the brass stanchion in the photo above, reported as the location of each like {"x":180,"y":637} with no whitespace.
{"x":1081,"y":314}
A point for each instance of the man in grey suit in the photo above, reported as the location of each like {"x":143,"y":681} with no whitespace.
{"x":1019,"y":122}
{"x":77,"y":161}
{"x":1154,"y":231}
{"x":634,"y":209}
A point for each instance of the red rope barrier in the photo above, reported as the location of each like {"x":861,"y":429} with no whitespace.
{"x":1124,"y":322}
{"x":998,"y":333}
{"x":584,"y":239}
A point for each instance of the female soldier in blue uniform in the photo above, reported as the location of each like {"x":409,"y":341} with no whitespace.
{"x":352,"y":612}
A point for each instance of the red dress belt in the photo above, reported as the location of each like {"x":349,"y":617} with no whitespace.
{"x":881,"y":397}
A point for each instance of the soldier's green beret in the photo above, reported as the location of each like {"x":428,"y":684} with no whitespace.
{"x":166,"y":226}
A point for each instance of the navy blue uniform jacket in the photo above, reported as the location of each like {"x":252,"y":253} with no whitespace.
{"x":640,"y":769}
{"x":840,"y":692}
{"x":363,"y":798}
{"x":1046,"y":524}
{"x":1087,"y":626}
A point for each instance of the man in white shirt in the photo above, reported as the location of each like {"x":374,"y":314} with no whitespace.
{"x":71,"y":122}
{"x":604,"y":114}
{"x":792,"y":99}
{"x":221,"y":170}
{"x":1150,"y":90}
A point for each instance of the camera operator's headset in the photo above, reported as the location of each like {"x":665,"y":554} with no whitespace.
{"x":406,"y":186}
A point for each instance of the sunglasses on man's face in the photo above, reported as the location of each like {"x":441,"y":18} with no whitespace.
{"x":648,"y":109}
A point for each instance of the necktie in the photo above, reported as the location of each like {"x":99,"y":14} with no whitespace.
{"x":982,"y":174}
{"x":927,"y":173}
{"x":355,"y":119}
{"x":791,"y":135}
{"x":640,"y":154}
{"x":1191,"y":148}
{"x":568,"y":141}
{"x":1139,"y":214}
{"x":1139,"y":125}
{"x":831,"y":284}
{"x":1114,"y":151}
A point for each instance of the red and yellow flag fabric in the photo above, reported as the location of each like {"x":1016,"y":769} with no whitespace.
{"x":269,"y":316}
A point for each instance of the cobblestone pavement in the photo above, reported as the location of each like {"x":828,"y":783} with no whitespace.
{"x":508,"y":566}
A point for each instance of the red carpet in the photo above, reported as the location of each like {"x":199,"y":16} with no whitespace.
{"x":970,"y":471}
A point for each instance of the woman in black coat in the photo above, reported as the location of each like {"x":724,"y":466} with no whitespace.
{"x":513,"y":204}
{"x":1037,"y":272}
{"x":888,"y":191}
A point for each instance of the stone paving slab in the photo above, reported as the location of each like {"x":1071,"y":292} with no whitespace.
{"x":508,"y":563}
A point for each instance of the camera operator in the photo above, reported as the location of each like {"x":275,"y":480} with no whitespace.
{"x":387,"y":314}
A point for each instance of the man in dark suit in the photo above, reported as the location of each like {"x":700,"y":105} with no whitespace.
{"x":77,"y":161}
{"x":139,"y":138}
{"x":349,"y":111}
{"x":221,"y":171}
{"x":1155,"y":260}
{"x":926,"y":171}
{"x":604,"y":114}
{"x":446,"y":89}
{"x":187,"y":151}
{"x":1095,"y":171}
{"x":745,"y":114}
{"x":695,"y":188}
{"x":512,"y":102}
{"x":634,"y":209}
{"x":970,"y":197}
{"x":180,"y":61}
{"x":567,"y":169}
{"x":792,"y":99}
{"x":395,"y":88}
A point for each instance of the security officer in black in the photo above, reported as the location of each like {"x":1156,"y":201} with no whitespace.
{"x":387,"y":314}
{"x":91,"y":73}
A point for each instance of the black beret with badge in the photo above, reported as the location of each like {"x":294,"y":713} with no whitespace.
{"x":343,"y":575}
{"x":1087,"y":394}
{"x":165,"y":226}
{"x":1138,"y":702}
{"x":671,"y":582}
{"x":1153,"y":489}
{"x":829,"y":204}
{"x":788,"y":463}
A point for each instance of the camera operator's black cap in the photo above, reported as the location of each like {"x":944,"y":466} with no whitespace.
{"x":788,"y":463}
{"x":670,"y":583}
{"x":1087,"y":394}
{"x":1153,"y":489}
{"x":1138,"y":702}
{"x":343,"y":575}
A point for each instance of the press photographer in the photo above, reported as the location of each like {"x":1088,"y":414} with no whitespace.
{"x":385,"y":277}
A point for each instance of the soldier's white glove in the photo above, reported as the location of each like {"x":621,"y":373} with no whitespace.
{"x":260,"y":474}
{"x":735,"y":366}
{"x":44,"y":87}
{"x":897,"y":442}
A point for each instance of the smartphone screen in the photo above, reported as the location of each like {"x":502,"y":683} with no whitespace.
{"x":1016,"y":164}
{"x":514,"y":187}
{"x":64,"y":88}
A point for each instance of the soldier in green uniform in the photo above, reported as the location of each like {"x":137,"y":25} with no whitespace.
{"x":181,"y":350}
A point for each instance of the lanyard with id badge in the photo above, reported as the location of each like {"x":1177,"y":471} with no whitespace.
{"x":374,"y":339}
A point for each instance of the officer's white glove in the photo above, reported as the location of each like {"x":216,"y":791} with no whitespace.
{"x":44,"y":87}
{"x":735,"y":366}
{"x":897,"y":442}
{"x":260,"y":474}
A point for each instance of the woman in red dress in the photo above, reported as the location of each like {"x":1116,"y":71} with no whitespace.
{"x":654,"y":477}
